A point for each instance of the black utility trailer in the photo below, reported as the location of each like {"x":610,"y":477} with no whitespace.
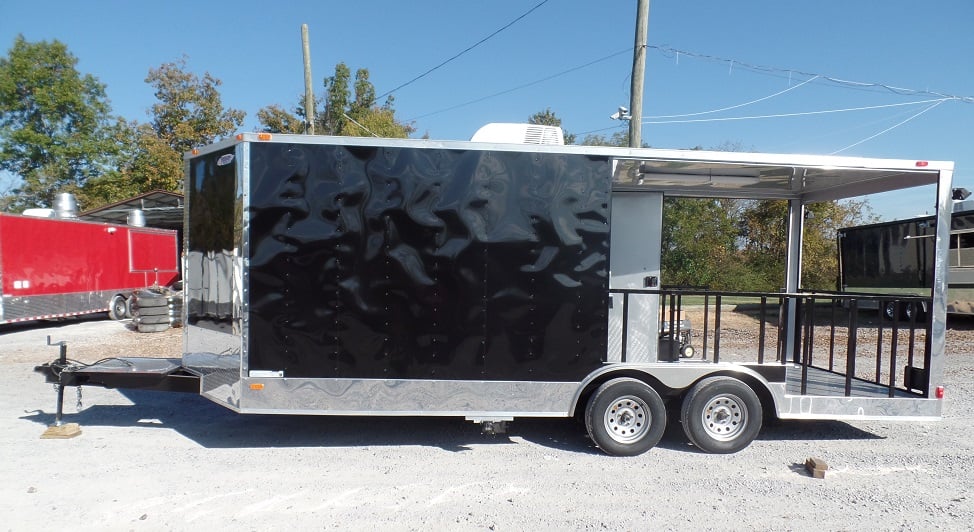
{"x":351,"y":276}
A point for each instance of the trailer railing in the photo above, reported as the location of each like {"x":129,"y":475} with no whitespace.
{"x":816,"y":332}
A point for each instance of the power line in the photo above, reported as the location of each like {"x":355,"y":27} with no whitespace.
{"x":929,"y":107}
{"x":786,"y":115}
{"x":478,"y":43}
{"x":779,"y":93}
{"x":525,"y":85}
{"x":734,"y":63}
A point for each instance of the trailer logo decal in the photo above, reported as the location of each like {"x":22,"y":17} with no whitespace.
{"x":225,"y":160}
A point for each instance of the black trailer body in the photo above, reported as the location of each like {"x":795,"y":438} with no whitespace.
{"x":356,"y":276}
{"x":897,"y":259}
{"x":375,"y":265}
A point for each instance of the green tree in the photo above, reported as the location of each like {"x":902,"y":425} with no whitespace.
{"x":274,"y":119}
{"x":764,"y":240}
{"x":56,"y":130}
{"x":548,"y":118}
{"x":699,"y":243}
{"x":189,"y":113}
{"x":619,"y":138}
{"x":349,"y":110}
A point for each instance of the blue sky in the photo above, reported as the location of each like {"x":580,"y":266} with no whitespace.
{"x":760,"y":58}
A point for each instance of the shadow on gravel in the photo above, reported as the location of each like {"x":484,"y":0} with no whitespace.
{"x":213,"y":426}
{"x":787,"y":430}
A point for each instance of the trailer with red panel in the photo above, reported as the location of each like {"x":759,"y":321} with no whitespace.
{"x":56,"y":268}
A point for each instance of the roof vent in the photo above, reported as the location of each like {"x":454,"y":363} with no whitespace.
{"x":136,"y":218}
{"x":504,"y":133}
{"x":65,"y":206}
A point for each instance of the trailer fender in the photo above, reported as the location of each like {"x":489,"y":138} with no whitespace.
{"x":674,"y":379}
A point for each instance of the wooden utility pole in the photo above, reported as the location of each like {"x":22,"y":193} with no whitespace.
{"x":309,"y":96}
{"x":638,"y":72}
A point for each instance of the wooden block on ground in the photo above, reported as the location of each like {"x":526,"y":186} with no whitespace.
{"x":816,"y":467}
{"x":61,"y":432}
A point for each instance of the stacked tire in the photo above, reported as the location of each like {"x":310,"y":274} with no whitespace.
{"x":156,"y":310}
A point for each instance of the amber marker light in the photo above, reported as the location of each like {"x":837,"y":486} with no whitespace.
{"x":263,"y":136}
{"x":257,"y":386}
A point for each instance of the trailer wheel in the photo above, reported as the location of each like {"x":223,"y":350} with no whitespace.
{"x":118,"y":307}
{"x":721,"y":415}
{"x":889,"y":310}
{"x":910,"y":309}
{"x":687,"y":351}
{"x":625,"y":417}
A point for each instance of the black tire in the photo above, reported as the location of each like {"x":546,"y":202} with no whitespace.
{"x":152,"y":320}
{"x":151,"y":328}
{"x":888,"y":310}
{"x":909,"y":309}
{"x":153,"y":311}
{"x":625,"y":417}
{"x":721,"y":415}
{"x":118,"y":307}
{"x":150,"y":299}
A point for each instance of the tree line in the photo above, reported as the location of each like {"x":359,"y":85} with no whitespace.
{"x":58,"y":134}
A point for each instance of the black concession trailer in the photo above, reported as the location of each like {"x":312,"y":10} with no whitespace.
{"x":491,"y":281}
{"x":897,"y":259}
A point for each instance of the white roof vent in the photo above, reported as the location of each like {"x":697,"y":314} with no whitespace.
{"x":519,"y":134}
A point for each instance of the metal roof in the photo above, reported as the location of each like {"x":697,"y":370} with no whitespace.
{"x":161,"y":209}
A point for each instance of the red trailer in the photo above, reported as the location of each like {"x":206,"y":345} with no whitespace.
{"x":55,"y":268}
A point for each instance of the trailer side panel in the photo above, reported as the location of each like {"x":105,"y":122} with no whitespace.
{"x":398,"y":263}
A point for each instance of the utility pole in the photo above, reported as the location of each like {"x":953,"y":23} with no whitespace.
{"x":309,"y":96}
{"x":638,"y":72}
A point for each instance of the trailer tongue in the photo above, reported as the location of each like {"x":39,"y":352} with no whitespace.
{"x":348,"y":276}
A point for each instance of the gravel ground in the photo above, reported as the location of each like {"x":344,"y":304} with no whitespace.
{"x":158,"y":461}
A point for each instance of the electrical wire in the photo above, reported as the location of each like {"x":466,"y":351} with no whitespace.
{"x":779,"y":93}
{"x":734,"y":63}
{"x":367,"y":130}
{"x":478,"y":43}
{"x":519,"y":87}
{"x":887,"y":130}
{"x":786,"y":115}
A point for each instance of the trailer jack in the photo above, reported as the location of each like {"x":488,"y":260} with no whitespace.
{"x":61,"y":430}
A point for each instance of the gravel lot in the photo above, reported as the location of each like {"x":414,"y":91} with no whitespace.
{"x":158,"y":461}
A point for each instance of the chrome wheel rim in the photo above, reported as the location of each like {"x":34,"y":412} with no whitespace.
{"x":627,"y":419}
{"x":725,"y":417}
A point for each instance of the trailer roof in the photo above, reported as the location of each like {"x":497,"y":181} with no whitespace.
{"x":810,"y":178}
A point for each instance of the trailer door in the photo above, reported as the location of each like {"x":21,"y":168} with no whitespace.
{"x":634,"y":263}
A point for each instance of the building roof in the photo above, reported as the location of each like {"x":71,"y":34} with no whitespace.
{"x":161,"y":209}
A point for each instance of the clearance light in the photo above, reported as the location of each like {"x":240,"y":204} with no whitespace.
{"x":921,"y":164}
{"x":257,"y":386}
{"x":940,"y":392}
{"x":240,"y":136}
{"x":263,"y":136}
{"x":195,"y":151}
